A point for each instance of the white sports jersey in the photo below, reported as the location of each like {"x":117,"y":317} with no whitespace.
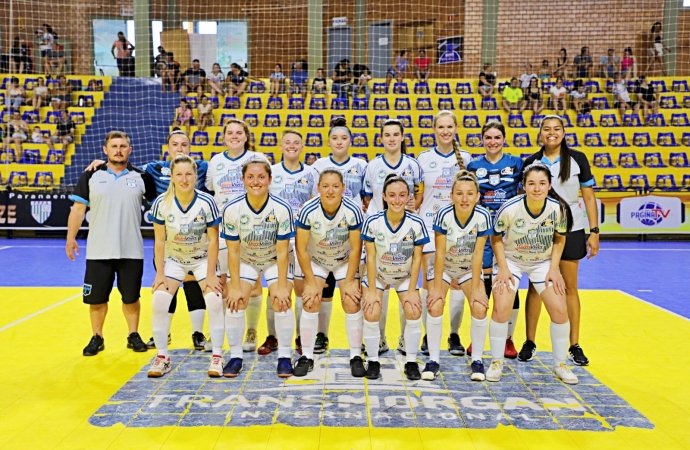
{"x":296,"y":188}
{"x":438,"y":173}
{"x":224,"y":176}
{"x":259,"y":230}
{"x":528,"y":238}
{"x":329,"y":244}
{"x":394,"y":248}
{"x":377,"y":171}
{"x":460,"y":240}
{"x":186,"y":241}
{"x":353,"y":171}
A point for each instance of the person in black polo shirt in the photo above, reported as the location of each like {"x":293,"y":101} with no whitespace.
{"x":64,"y":132}
{"x":114,"y":246}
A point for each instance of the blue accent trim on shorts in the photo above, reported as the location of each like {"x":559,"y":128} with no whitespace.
{"x":285,"y":237}
{"x":173,"y":279}
{"x":229,"y":238}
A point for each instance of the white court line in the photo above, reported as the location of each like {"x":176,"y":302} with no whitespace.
{"x":649,"y":303}
{"x":32,"y":315}
{"x":3,"y":248}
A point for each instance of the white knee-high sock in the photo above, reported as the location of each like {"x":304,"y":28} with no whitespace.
{"x":353,"y":325}
{"x":371,"y":334}
{"x":307,"y":331}
{"x":253,"y":312}
{"x":216,"y":321}
{"x":413,"y":333}
{"x":325,"y":317}
{"x":234,"y":329}
{"x":497,"y":338}
{"x":512,"y":322}
{"x":298,"y":312}
{"x":434,"y":329}
{"x":160,"y":321}
{"x":478,"y":335}
{"x":403,"y":320}
{"x":384,"y":314}
{"x":285,"y":326}
{"x":425,"y":311}
{"x":560,"y":339}
{"x":457,"y":309}
{"x":197,"y":318}
{"x":270,"y":318}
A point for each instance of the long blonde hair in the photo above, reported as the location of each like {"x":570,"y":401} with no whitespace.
{"x":169,"y":195}
{"x":456,"y":144}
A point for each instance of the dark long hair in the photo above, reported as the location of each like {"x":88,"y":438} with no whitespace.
{"x":564,"y":207}
{"x":564,"y":173}
{"x":403,"y":147}
{"x":390,"y":179}
{"x":494,"y":124}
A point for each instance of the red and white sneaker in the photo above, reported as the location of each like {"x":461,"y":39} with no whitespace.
{"x":215,"y":369}
{"x":159,"y":367}
{"x":510,"y":352}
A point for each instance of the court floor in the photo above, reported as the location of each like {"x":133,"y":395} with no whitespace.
{"x":634,"y":394}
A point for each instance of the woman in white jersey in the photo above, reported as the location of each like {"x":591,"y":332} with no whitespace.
{"x":328,"y":241}
{"x":394,"y":160}
{"x":224,"y":179}
{"x":529,"y":236}
{"x":394,"y":239}
{"x":440,"y":164}
{"x":461,"y":230}
{"x":185,"y":223}
{"x":258,"y":227}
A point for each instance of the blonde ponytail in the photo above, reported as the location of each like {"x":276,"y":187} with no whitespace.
{"x":458,"y":155}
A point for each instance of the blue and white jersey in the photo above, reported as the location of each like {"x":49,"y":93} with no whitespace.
{"x":160,"y":172}
{"x":224,"y":176}
{"x":258,"y":230}
{"x":394,"y":248}
{"x":353,"y":171}
{"x":377,"y":171}
{"x":438,"y":173}
{"x":529,"y":238}
{"x":186,"y":238}
{"x":329,"y":244}
{"x":498,"y":182}
{"x":297,"y":187}
{"x":461,"y":239}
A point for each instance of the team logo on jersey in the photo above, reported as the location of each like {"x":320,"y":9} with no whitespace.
{"x":342,"y":223}
{"x":271,"y":218}
{"x":303,"y":181}
{"x":244,"y":219}
{"x":317,"y":225}
{"x":170,"y":218}
{"x":87,"y":290}
{"x":382,"y":174}
{"x":507,"y":171}
{"x":501,"y":223}
{"x":220,"y":167}
{"x":532,"y":234}
{"x":494,"y":179}
{"x":165,"y":171}
{"x":285,"y":225}
{"x":547,"y":223}
{"x":449,"y":233}
{"x":394,"y":248}
{"x":481,"y":172}
{"x":446,"y":172}
{"x":230,"y":227}
{"x":432,"y":164}
{"x":407,"y":173}
{"x":289,"y":189}
{"x":519,"y":223}
{"x":353,"y":171}
{"x":278,"y":179}
{"x":199,"y":218}
{"x":184,"y":228}
{"x":258,"y":229}
{"x":380,"y":237}
{"x":131,"y":182}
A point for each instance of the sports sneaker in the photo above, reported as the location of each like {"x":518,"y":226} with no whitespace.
{"x":198,"y":340}
{"x":455,"y":348}
{"x":425,"y":347}
{"x":477,"y":371}
{"x":152,"y":344}
{"x":159,"y":367}
{"x":233,"y":368}
{"x":510,"y":351}
{"x":431,"y":369}
{"x":249,"y":344}
{"x":412,"y":371}
{"x":208,"y":346}
{"x":298,"y":344}
{"x":383,"y":346}
{"x":269,"y":345}
{"x":527,"y":351}
{"x":401,"y":345}
{"x":357,"y":367}
{"x":495,"y":371}
{"x":135,"y":343}
{"x":215,"y":369}
{"x":564,"y":374}
{"x":577,"y":356}
{"x":373,"y":370}
{"x":321,"y":344}
{"x":303,"y":366}
{"x":96,"y":344}
{"x":284,"y":367}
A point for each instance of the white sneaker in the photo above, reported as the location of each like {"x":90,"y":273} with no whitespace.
{"x":249,"y":344}
{"x":383,"y":345}
{"x":215,"y":369}
{"x":159,"y":367}
{"x":401,"y":344}
{"x":208,"y":347}
{"x":495,"y":371}
{"x":564,"y":374}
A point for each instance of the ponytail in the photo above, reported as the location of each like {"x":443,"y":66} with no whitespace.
{"x":564,"y":173}
{"x":565,"y":210}
{"x":458,"y":155}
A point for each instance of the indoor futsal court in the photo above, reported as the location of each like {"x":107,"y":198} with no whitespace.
{"x":634,"y":393}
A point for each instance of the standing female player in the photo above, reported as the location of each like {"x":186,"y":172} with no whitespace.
{"x":185,"y":223}
{"x":529,"y":236}
{"x":572,"y":176}
{"x":224,"y":179}
{"x":393,"y":161}
{"x":499,"y":177}
{"x":328,"y":241}
{"x":440,"y":164}
{"x":258,"y":227}
{"x":461,"y":230}
{"x":394,"y":239}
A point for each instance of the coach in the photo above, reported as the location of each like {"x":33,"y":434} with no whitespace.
{"x":114,"y":246}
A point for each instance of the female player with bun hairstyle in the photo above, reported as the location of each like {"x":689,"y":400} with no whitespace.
{"x":529,"y":236}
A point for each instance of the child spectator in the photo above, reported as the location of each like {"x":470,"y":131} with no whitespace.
{"x":194,"y":79}
{"x":216,"y":80}
{"x":628,"y":64}
{"x":319,"y":85}
{"x":620,"y":92}
{"x":558,"y":96}
{"x":64,"y":133}
{"x":160,"y":62}
{"x":648,"y":98}
{"x":363,"y":83}
{"x":487,"y":80}
{"x":422,"y":66}
{"x":205,"y":110}
{"x":545,"y":71}
{"x":299,"y":79}
{"x":172,"y":74}
{"x":236,"y":80}
{"x":37,"y":136}
{"x":277,"y":81}
{"x":526,"y":78}
{"x":398,"y":69}
{"x":562,"y":65}
{"x":14,"y":97}
{"x":183,"y":115}
{"x":608,"y":65}
{"x":579,"y":98}
{"x":533,"y":95}
{"x":583,"y":64}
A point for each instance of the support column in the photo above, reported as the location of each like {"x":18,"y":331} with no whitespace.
{"x":672,"y":9}
{"x":314,"y":36}
{"x":142,"y":31}
{"x":172,"y":20}
{"x":360,"y":30}
{"x":489,"y":31}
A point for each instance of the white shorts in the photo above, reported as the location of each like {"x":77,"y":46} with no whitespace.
{"x":223,"y":257}
{"x":429,"y":247}
{"x":449,"y":275}
{"x":296,"y":269}
{"x":179,"y":272}
{"x":400,"y":286}
{"x":536,"y":272}
{"x":252,"y":273}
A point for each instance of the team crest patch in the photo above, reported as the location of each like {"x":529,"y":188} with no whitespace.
{"x":171,"y":218}
{"x":481,"y":172}
{"x":394,"y":248}
{"x":131,"y":182}
{"x":379,"y":237}
{"x":432,"y":164}
{"x":278,"y":179}
{"x":494,"y":179}
{"x":165,"y":171}
{"x":184,"y":228}
{"x":317,"y":225}
{"x":87,"y":290}
{"x":382,"y":174}
{"x":244,"y":219}
{"x":507,"y":171}
{"x":220,"y":167}
{"x":519,"y":223}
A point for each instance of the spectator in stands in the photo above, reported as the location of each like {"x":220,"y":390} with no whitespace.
{"x":64,"y":132}
{"x":583,"y":64}
{"x":298,"y":80}
{"x":648,"y":98}
{"x":558,"y":96}
{"x":487,"y":80}
{"x":194,"y":79}
{"x":609,"y":64}
{"x":655,"y":49}
{"x":216,"y":81}
{"x":562,"y":65}
{"x":56,"y":60}
{"x":311,"y":159}
{"x":398,"y":69}
{"x":160,"y":62}
{"x":17,"y":132}
{"x":41,"y":95}
{"x":422,"y":66}
{"x":171,"y":76}
{"x":45,"y":41}
{"x":205,"y":109}
{"x":183,"y":115}
{"x":319,"y":85}
{"x":14,"y":97}
{"x":363,"y":83}
{"x":94,"y":86}
{"x":526,"y":78}
{"x":62,"y":94}
{"x":277,"y":79}
{"x":342,"y":78}
{"x":237,"y":80}
{"x":513,"y":97}
{"x":628,"y":64}
{"x":533,"y":95}
{"x":581,"y":103}
{"x":37,"y":136}
{"x":20,"y":56}
{"x":545,"y":71}
{"x":123,"y":56}
{"x":620,"y":93}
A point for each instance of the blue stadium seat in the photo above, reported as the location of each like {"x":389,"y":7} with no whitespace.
{"x":380,"y":104}
{"x":409,"y":141}
{"x":668,"y":102}
{"x":546,"y":86}
{"x":215,"y":101}
{"x":427,"y":140}
{"x":653,"y":159}
{"x":316,"y":121}
{"x":268,"y":140}
{"x":275,"y":103}
{"x":226,"y":116}
{"x":192,"y":102}
{"x":78,"y":117}
{"x":360,"y":104}
{"x":471,"y":121}
{"x":295,"y":103}
{"x":421,"y":88}
{"x":31,"y":156}
{"x":628,"y":160}
{"x":686,"y":101}
{"x":232,"y":103}
{"x":521,"y":140}
{"x":659,"y":86}
{"x":535,"y":120}
{"x":317,"y":103}
{"x":613,"y":182}
{"x":445,"y":103}
{"x":642,"y":140}
{"x":29,"y":83}
{"x":571,"y":140}
{"x":423,"y":104}
{"x":380,"y":119}
{"x":402,"y":104}
{"x":593,"y":140}
{"x":379,"y":89}
{"x":463,"y":88}
{"x":679,"y":120}
{"x":90,"y":102}
{"x":199,"y":138}
{"x":467,"y":104}
{"x":400,"y":89}
{"x":377,"y":140}
{"x":473,"y":140}
{"x":197,"y":156}
{"x":251,"y":120}
{"x":494,"y":118}
{"x":678,"y":159}
{"x":679,"y":86}
{"x":294,"y":121}
{"x":405,"y":119}
{"x":31,"y":117}
{"x":272,"y":120}
{"x":364,"y":156}
{"x":18,"y":178}
{"x":592,"y":87}
{"x":218,"y":141}
{"x":360,"y":121}
{"x":442,"y":89}
{"x":638,"y":180}
{"x":271,"y":157}
{"x":617,"y":140}
{"x":666,"y":182}
{"x":600,"y":103}
{"x":256,"y":87}
{"x":685,"y":139}
{"x":314,"y":140}
{"x":489,"y":104}
{"x":686,"y":181}
{"x":360,"y":140}
{"x":55,"y":157}
{"x":8,"y":156}
{"x":425,"y":121}
{"x":609,"y":120}
{"x":516,"y":121}
{"x":609,"y":86}
{"x":632,"y":120}
{"x":602,"y":160}
{"x":656,"y":120}
{"x":52,"y":117}
{"x":569,"y":85}
{"x":44,"y":178}
{"x":666,"y":140}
